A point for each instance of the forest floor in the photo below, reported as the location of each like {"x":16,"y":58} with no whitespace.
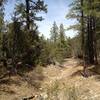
{"x":52,"y":83}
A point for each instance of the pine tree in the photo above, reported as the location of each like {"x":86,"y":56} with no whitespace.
{"x":62,"y":35}
{"x":27,"y":16}
{"x":62,"y":42}
{"x":28,"y":12}
{"x":84,"y":11}
{"x":2,"y":1}
{"x":54,"y":32}
{"x":2,"y":30}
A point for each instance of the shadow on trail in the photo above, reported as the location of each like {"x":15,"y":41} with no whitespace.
{"x":91,"y":71}
{"x":31,"y":79}
{"x":7,"y":90}
{"x":4,"y":86}
{"x":96,"y":70}
{"x":10,"y":82}
{"x":77,"y":73}
{"x":34,"y":79}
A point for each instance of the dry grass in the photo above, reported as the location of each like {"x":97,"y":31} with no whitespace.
{"x":53,"y":83}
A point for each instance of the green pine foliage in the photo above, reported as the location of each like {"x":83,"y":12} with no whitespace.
{"x":87,"y":16}
{"x":57,"y":48}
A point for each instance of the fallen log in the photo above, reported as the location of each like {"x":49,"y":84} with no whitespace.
{"x":28,"y":98}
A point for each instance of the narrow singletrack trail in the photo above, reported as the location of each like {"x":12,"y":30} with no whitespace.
{"x":56,"y":73}
{"x":70,"y":75}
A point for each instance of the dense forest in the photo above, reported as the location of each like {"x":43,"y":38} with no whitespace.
{"x":23,"y":49}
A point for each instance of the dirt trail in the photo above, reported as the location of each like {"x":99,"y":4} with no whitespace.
{"x":56,"y":73}
{"x":89,"y":88}
{"x":41,"y":79}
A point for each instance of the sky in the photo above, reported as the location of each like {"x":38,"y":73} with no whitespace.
{"x":57,"y":10}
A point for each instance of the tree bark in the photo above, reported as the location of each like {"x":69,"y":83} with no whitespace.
{"x":27,"y":14}
{"x":94,"y":35}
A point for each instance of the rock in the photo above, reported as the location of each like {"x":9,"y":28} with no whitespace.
{"x":44,"y":95}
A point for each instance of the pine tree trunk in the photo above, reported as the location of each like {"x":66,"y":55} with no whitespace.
{"x":84,"y":41}
{"x":82,"y":27}
{"x":94,"y":35}
{"x":87,"y":41}
{"x":27,"y":14}
{"x":91,"y":47}
{"x":95,"y":44}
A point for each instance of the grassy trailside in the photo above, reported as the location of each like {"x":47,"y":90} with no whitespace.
{"x":52,"y":83}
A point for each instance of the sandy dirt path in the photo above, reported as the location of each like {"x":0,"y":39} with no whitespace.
{"x":69,"y":75}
